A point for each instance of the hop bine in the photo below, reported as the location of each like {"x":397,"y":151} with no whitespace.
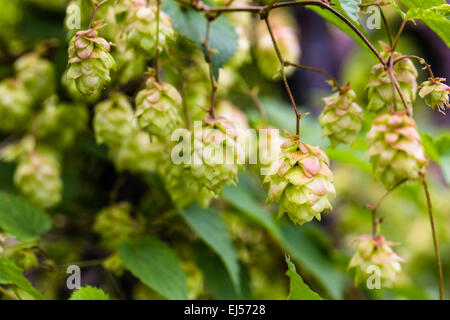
{"x":90,"y":62}
{"x":395,"y":149}
{"x":300,"y":181}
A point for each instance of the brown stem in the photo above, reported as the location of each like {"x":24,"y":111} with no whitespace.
{"x":253,"y":94}
{"x":212,"y":111}
{"x":399,"y":90}
{"x":96,"y":6}
{"x":397,"y":37}
{"x":386,"y":25}
{"x":420,"y":59}
{"x":283,"y":75}
{"x":435,"y":241}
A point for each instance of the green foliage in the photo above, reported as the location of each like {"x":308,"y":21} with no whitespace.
{"x":299,"y":290}
{"x":13,"y":274}
{"x":21,"y":219}
{"x":211,"y":229}
{"x":89,"y":293}
{"x":156,"y":265}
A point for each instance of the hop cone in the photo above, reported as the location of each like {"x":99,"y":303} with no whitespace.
{"x":141,"y":31}
{"x":90,"y":62}
{"x":375,"y":251}
{"x":138,"y":153}
{"x":209,"y":167}
{"x":300,"y":181}
{"x":15,"y":106}
{"x":114,"y":224}
{"x":37,"y":75}
{"x":435,"y":94}
{"x":158,"y":108}
{"x":38,"y":178}
{"x":113,"y":120}
{"x":341,"y":118}
{"x":381,"y":92}
{"x":395,"y":149}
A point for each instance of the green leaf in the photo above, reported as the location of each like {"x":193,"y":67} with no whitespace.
{"x":298,"y":289}
{"x":347,"y":156}
{"x":223,"y":39}
{"x":13,"y":274}
{"x":156,"y":265}
{"x":332,"y":18}
{"x":351,"y":7}
{"x":397,"y":8}
{"x":300,"y":247}
{"x":434,"y":13}
{"x":429,"y":147}
{"x":21,"y":219}
{"x":213,"y":231}
{"x":89,"y":293}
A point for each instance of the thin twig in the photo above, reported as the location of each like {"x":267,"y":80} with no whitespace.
{"x":386,"y":25}
{"x":212,"y":111}
{"x":397,"y":37}
{"x":96,"y":6}
{"x":435,"y":240}
{"x":420,"y":59}
{"x":322,"y":72}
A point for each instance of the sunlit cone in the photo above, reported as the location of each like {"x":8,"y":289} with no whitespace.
{"x":435,"y":94}
{"x":380,"y":89}
{"x":158,"y":108}
{"x":375,"y":254}
{"x":300,"y":181}
{"x":141,"y":30}
{"x":90,"y":62}
{"x":113,"y":120}
{"x":395,"y":149}
{"x":341,"y":119}
{"x":37,"y":176}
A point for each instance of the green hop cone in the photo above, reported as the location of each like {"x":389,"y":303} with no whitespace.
{"x":113,"y":120}
{"x":37,"y":75}
{"x":138,"y":153}
{"x":90,"y":62}
{"x":141,"y":31}
{"x":37,"y":176}
{"x":375,"y":252}
{"x":114,"y":264}
{"x":15,"y":106}
{"x":435,"y":94}
{"x":158,"y":108}
{"x":207,"y":164}
{"x":301,"y":181}
{"x":341,"y":118}
{"x":114,"y":225}
{"x":58,"y":124}
{"x":395,"y":149}
{"x":380,"y":90}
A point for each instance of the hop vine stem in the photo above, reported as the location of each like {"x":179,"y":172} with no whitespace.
{"x":435,"y":241}
{"x":94,"y":12}
{"x":212,"y":111}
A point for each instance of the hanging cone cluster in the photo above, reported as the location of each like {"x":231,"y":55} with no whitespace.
{"x":395,"y":149}
{"x":37,"y":176}
{"x":380,"y":89}
{"x":435,"y":94}
{"x":158,"y":108}
{"x":15,"y":106}
{"x":113,"y":120}
{"x":209,"y":167}
{"x":141,"y":32}
{"x":90,"y":62}
{"x":341,"y":119}
{"x":300,"y":181}
{"x":375,"y":252}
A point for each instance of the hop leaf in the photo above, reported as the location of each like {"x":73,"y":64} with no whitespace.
{"x":158,"y":108}
{"x":341,"y":118}
{"x":435,"y":93}
{"x":90,"y":62}
{"x":375,"y":251}
{"x":395,"y":149}
{"x":38,"y":178}
{"x":380,"y":89}
{"x":300,"y":181}
{"x":113,"y":120}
